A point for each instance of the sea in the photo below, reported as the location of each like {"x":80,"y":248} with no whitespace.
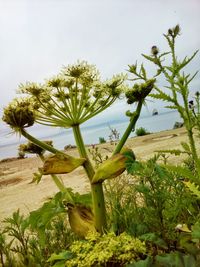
{"x":9,"y":142}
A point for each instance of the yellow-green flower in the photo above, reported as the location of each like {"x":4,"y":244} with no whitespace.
{"x":74,"y":95}
{"x":20,"y":113}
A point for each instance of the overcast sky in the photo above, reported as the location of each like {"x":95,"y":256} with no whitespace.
{"x":38,"y":37}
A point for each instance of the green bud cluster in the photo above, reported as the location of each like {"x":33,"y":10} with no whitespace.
{"x":154,"y":50}
{"x":20,"y":113}
{"x":174,"y":31}
{"x":139,"y":91}
{"x":33,"y":148}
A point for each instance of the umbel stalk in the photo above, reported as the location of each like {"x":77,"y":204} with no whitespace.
{"x":97,"y":189}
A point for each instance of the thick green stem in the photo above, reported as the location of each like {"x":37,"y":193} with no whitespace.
{"x":129,"y":129}
{"x":189,"y":128}
{"x":82,"y":151}
{"x":97,"y":189}
{"x":194,"y":151}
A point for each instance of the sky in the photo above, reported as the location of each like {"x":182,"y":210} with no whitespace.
{"x":38,"y":37}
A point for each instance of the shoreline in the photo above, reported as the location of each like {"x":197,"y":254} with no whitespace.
{"x":17,"y":191}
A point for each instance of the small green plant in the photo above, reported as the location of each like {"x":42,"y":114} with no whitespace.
{"x":141,"y":131}
{"x":34,"y":238}
{"x":108,"y":250}
{"x":164,"y":200}
{"x":114,"y":135}
{"x":102,"y":140}
{"x":121,"y":204}
{"x":96,"y":155}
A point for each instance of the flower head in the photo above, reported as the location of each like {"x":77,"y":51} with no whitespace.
{"x":73,"y":96}
{"x":31,"y":88}
{"x":154,"y":50}
{"x":174,"y":31}
{"x":20,"y":113}
{"x":33,"y":148}
{"x":139,"y":91}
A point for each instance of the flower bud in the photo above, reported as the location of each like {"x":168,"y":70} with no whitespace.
{"x":33,"y":148}
{"x":170,"y":32}
{"x":132,"y":68}
{"x":176,"y":30}
{"x":19,"y":114}
{"x":112,"y":167}
{"x":154,"y":50}
{"x":139,"y":92}
{"x":129,"y":113}
{"x":61,"y":163}
{"x":81,"y":219}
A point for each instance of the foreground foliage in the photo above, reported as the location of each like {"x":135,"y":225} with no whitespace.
{"x":147,"y":217}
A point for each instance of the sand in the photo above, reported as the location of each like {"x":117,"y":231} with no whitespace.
{"x":16,"y":191}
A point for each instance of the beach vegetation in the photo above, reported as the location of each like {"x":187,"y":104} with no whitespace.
{"x":114,"y":135}
{"x":141,"y":131}
{"x":138,"y":212}
{"x":102,"y":140}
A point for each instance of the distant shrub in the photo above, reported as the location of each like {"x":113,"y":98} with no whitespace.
{"x":114,"y":135}
{"x":102,"y":140}
{"x":141,"y":131}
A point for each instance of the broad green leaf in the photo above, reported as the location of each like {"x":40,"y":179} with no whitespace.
{"x":64,"y":255}
{"x":196,"y":231}
{"x":193,"y":188}
{"x":148,"y":262}
{"x":152,"y":237}
{"x":133,"y":166}
{"x":175,"y":260}
{"x":186,"y":61}
{"x":152,"y":59}
{"x":182,"y":171}
{"x":162,"y":96}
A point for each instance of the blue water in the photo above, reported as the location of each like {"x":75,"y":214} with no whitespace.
{"x":9,"y":142}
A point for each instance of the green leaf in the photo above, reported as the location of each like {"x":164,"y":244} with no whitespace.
{"x":175,"y":152}
{"x":133,"y":166}
{"x":41,"y":217}
{"x":153,"y":238}
{"x":171,"y":107}
{"x":186,"y":147}
{"x":59,"y":264}
{"x":188,"y":81}
{"x":152,"y":59}
{"x":148,"y":262}
{"x":159,"y":71}
{"x":164,"y":54}
{"x":186,"y":61}
{"x":182,"y":171}
{"x":143,"y":72}
{"x":170,"y":43}
{"x":64,"y":255}
{"x":196,"y":231}
{"x":193,"y":188}
{"x":175,"y":260}
{"x":162,"y":96}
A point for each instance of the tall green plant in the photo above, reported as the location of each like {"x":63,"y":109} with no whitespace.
{"x":68,"y":100}
{"x":178,"y":85}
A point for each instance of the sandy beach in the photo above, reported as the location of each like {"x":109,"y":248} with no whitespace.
{"x":16,"y":191}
